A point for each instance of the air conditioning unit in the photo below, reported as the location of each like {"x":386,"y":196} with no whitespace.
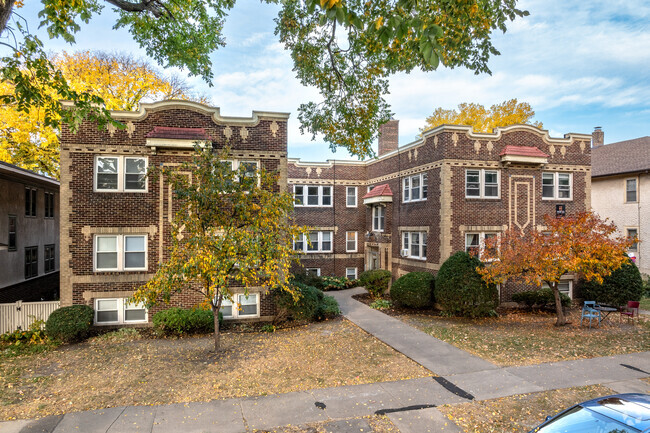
{"x":405,"y":253}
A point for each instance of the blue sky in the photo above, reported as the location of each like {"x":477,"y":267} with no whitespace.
{"x":579,"y":64}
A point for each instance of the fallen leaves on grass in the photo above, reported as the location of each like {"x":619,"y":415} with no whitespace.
{"x":518,"y":413}
{"x":109,"y":372}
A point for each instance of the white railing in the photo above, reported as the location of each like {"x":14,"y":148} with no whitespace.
{"x":22,"y":314}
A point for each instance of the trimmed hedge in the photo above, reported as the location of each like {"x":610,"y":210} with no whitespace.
{"x":461,"y":291}
{"x":179,"y":321}
{"x":376,"y":281}
{"x":70,"y":324}
{"x":540,"y":298}
{"x":622,"y":285}
{"x":413,"y":290}
{"x":312,"y":304}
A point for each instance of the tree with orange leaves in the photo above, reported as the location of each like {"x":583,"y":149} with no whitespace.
{"x":582,"y":244}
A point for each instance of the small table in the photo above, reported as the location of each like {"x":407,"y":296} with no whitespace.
{"x":605,"y":311}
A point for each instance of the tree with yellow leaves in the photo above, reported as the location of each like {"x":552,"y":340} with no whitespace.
{"x":232,"y":230}
{"x":121,"y":80}
{"x":481,"y":119}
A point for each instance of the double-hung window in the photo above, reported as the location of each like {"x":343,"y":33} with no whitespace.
{"x":633,"y":233}
{"x":112,"y":311}
{"x":244,"y":306}
{"x":378,"y":218}
{"x":49,"y":258}
{"x":414,"y":245}
{"x":351,"y":196}
{"x":351,"y":273}
{"x":30,"y":202}
{"x":49,"y":205}
{"x":31,"y":262}
{"x":319,"y":242}
{"x":120,"y":252}
{"x":482,"y":183}
{"x":556,"y":186}
{"x":475,"y":242}
{"x":351,"y":242}
{"x":414,"y":188}
{"x":630,"y":190}
{"x":120,"y":174}
{"x":11,"y":241}
{"x":312,"y":195}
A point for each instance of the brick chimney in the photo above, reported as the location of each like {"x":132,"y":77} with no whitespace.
{"x":388,"y":137}
{"x":597,"y":137}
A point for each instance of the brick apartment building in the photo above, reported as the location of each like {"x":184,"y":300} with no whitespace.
{"x":408,"y":210}
{"x":413,"y":206}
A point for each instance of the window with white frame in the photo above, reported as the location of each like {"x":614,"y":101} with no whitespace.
{"x":482,"y":183}
{"x":351,"y":196}
{"x":319,"y":242}
{"x":351,"y":273}
{"x":414,"y":245}
{"x":120,"y":252}
{"x":630,"y":190}
{"x":556,"y":186}
{"x":312,"y":195}
{"x":351,"y":242}
{"x":312,"y":272}
{"x":564,"y":286}
{"x":633,"y":233}
{"x":120,"y":174}
{"x":112,"y":311}
{"x":414,"y":188}
{"x":245,"y":306}
{"x":378,"y":218}
{"x":475,"y":242}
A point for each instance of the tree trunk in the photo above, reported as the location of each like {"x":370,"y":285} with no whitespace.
{"x":217,"y":335}
{"x":6,"y":9}
{"x":561,"y":319}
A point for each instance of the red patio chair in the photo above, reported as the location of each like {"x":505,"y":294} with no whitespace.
{"x":631,"y":311}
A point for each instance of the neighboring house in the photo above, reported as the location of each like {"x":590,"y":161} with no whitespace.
{"x":415,"y":205}
{"x":29,"y":239}
{"x":115,"y":222}
{"x":621,"y":190}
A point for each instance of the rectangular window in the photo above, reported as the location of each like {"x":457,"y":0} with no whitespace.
{"x":313,"y":196}
{"x":378,"y":218}
{"x":351,"y":273}
{"x":351,"y":242}
{"x":414,"y":188}
{"x":482,"y":183}
{"x":31,"y":262}
{"x":120,"y":252}
{"x":30,"y":202}
{"x":312,"y":272}
{"x":226,"y":308}
{"x":111,"y":311}
{"x":11,"y":241}
{"x":557,"y":186}
{"x":351,"y":196}
{"x":475,"y":242}
{"x":319,"y":242}
{"x":248,"y":305}
{"x":120,"y":174}
{"x":49,"y":258}
{"x":564,"y":286}
{"x":630,"y":191}
{"x":49,"y":205}
{"x":633,"y":233}
{"x":414,"y":245}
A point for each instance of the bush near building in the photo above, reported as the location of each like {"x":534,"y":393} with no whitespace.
{"x":413,"y":290}
{"x":311,"y":304}
{"x":375,"y":281}
{"x":70,"y":324}
{"x":180,"y":321}
{"x":461,"y":291}
{"x":540,"y":298}
{"x":622,"y":285}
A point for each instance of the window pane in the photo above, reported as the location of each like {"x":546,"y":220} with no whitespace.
{"x":405,"y":241}
{"x":107,"y":243}
{"x":407,"y":190}
{"x":250,"y":168}
{"x":248,"y":305}
{"x":107,"y":304}
{"x":134,"y":243}
{"x":352,"y":196}
{"x":424,"y":185}
{"x":424,"y":245}
{"x":472,"y":183}
{"x":134,"y":315}
{"x":107,"y":181}
{"x":547,"y":191}
{"x":491,"y":191}
{"x":134,"y":181}
{"x":226,"y":310}
{"x":136,"y":166}
{"x":298,"y":195}
{"x":472,"y":243}
{"x":548,"y":185}
{"x":490,"y":177}
{"x":107,"y":165}
{"x":106,"y":316}
{"x":106,"y":260}
{"x":327,"y":241}
{"x":415,"y":188}
{"x":134,"y":260}
{"x":107,"y":173}
{"x":312,"y":195}
{"x":630,"y":190}
{"x":351,"y":273}
{"x":327,"y":196}
{"x":313,"y":239}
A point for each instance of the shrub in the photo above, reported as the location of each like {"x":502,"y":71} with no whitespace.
{"x":337,"y":283}
{"x":70,"y":324}
{"x":381,"y":304}
{"x":622,"y":285}
{"x":328,"y":308}
{"x":413,"y":290}
{"x":179,"y":321}
{"x":311,"y":304}
{"x":33,"y":335}
{"x":375,"y":281}
{"x":540,"y":298}
{"x":461,"y":291}
{"x":309,"y":280}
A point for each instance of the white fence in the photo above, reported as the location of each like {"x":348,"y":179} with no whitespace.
{"x":22,"y":314}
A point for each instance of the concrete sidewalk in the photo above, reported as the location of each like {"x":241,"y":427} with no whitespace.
{"x":410,"y":404}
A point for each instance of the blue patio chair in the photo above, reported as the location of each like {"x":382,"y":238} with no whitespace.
{"x":589,"y":312}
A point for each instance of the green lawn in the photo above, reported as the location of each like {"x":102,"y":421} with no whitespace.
{"x":645,"y":304}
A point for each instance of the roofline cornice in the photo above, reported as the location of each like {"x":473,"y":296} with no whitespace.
{"x":13,"y":171}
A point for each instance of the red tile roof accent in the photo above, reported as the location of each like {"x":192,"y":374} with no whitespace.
{"x":523,"y":151}
{"x":379,"y":190}
{"x":178,"y":133}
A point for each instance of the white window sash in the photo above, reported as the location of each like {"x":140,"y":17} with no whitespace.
{"x":351,"y":197}
{"x":120,"y":253}
{"x":121,"y":174}
{"x":122,"y":307}
{"x":556,"y":186}
{"x":320,"y":194}
{"x":348,"y":240}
